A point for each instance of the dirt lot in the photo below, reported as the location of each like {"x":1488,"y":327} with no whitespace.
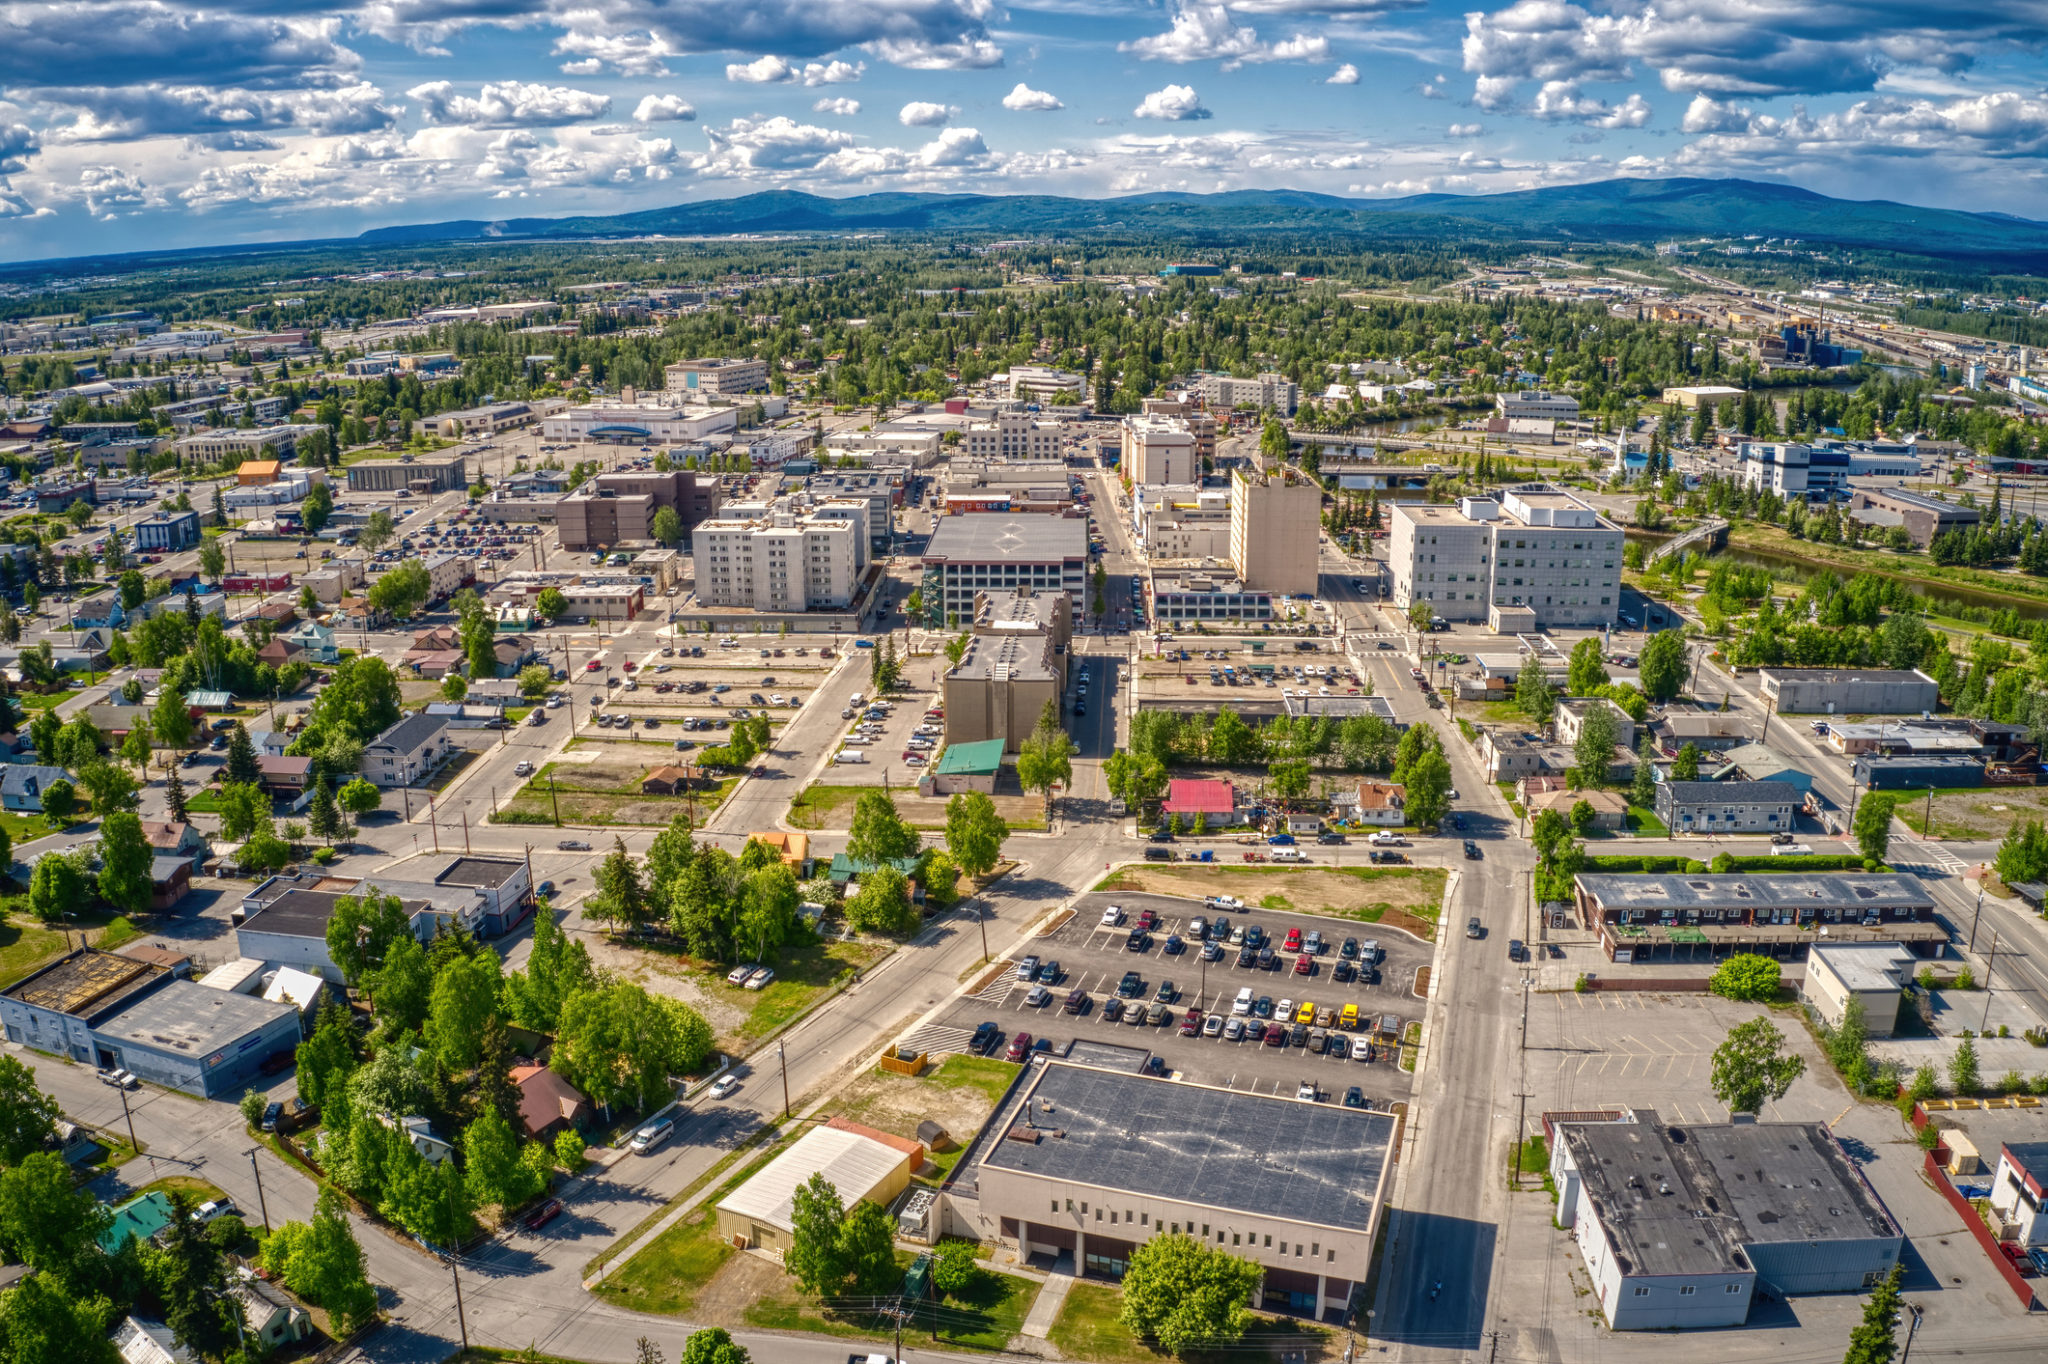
{"x":1407,"y":898}
{"x":1988,"y":813}
{"x":826,"y":806}
{"x":599,"y":783}
{"x":958,"y":1094}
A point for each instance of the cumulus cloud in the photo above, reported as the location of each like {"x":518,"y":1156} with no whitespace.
{"x":509,"y":104}
{"x":837,"y":105}
{"x":963,"y":54}
{"x":1561,"y":101}
{"x":1175,"y":103}
{"x":1346,"y":74}
{"x":763,"y":70}
{"x":920,"y":114}
{"x":954,"y":147}
{"x":2004,"y":125}
{"x":110,"y":191}
{"x":626,"y":54}
{"x":833,"y":72}
{"x":1023,"y":97}
{"x":122,"y":42}
{"x":1463,"y":130}
{"x":128,"y":112}
{"x":1708,"y":115}
{"x":18,"y":142}
{"x":1204,"y":31}
{"x":664,"y":109}
{"x":772,"y":144}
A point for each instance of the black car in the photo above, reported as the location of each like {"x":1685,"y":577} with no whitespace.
{"x":1049,"y":974}
{"x":1515,"y":949}
{"x":1254,"y":936}
{"x":1112,"y":1009}
{"x":273,"y":1114}
{"x":1262,"y":1007}
{"x":1471,"y":851}
{"x":1219,"y":929}
{"x":1247,"y":956}
{"x":1138,"y":941}
{"x":1458,"y":823}
{"x":1131,"y":986}
{"x":1268,"y":959}
{"x":1298,"y":1037}
{"x":1165,"y":994}
{"x":986,"y":1035}
{"x":1343,"y":972}
{"x":1354,"y":1097}
{"x":1160,"y":836}
{"x":1349,"y":950}
{"x":1077,"y":1000}
{"x":1174,"y":945}
{"x":1329,"y":836}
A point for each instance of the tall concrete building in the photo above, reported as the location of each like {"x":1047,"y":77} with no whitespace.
{"x":1043,"y":383}
{"x":988,"y":551}
{"x":1014,"y":664}
{"x":1014,"y":435}
{"x":1224,"y":392}
{"x":613,"y":509}
{"x":1534,"y":557}
{"x":1275,"y":522}
{"x":1159,"y":450}
{"x":717,"y":378}
{"x":427,"y":473}
{"x":788,"y":560}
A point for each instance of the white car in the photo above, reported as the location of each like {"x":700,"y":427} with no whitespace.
{"x":738,"y":975}
{"x":1112,"y":916}
{"x":554,"y":703}
{"x":522,"y":769}
{"x":778,"y":699}
{"x":724,"y":1085}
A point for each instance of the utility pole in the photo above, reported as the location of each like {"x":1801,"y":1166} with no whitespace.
{"x":133,"y":1140}
{"x":782,"y":1059}
{"x":1989,"y":968}
{"x":461,"y":1321}
{"x":465,"y":824}
{"x":1911,"y":1327}
{"x":1975,"y":914}
{"x":257,"y":1170}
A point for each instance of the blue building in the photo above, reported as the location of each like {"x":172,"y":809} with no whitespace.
{"x":168,"y":532}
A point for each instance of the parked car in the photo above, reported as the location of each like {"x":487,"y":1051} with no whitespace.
{"x":1019,"y":1048}
{"x":986,"y":1035}
{"x":572,"y":845}
{"x":724,"y":1085}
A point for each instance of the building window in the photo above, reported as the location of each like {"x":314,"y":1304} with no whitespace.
{"x":1269,"y":1240}
{"x":1642,"y":1290}
{"x":1732,"y":1288}
{"x":1686,"y":1291}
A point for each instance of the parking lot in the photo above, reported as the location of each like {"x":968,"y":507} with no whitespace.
{"x":1094,"y":956}
{"x":885,"y":740}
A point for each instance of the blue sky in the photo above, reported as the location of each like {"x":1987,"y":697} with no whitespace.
{"x":127,"y":124}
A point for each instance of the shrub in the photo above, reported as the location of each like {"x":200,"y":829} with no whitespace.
{"x":227,"y":1232}
{"x":1722,"y":864}
{"x":1926,"y":978}
{"x":1746,"y":976}
{"x":1927,"y":1137}
{"x":2012,"y":1082}
{"x":1966,"y":979}
{"x":324,"y":855}
{"x":1695,"y":868}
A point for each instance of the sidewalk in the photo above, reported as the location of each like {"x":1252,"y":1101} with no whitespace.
{"x":1045,"y":1309}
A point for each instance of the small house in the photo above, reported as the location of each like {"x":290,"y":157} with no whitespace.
{"x":2019,"y":1192}
{"x":675,"y":781}
{"x":548,"y":1104}
{"x":1376,"y":803}
{"x":269,"y":1315}
{"x":968,"y":767}
{"x":284,"y":775}
{"x":315,"y":641}
{"x":22,"y":785}
{"x":170,"y":880}
{"x":139,"y":1219}
{"x":139,"y":1341}
{"x":1214,"y":801}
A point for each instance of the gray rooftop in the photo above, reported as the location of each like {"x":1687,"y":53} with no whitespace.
{"x":190,"y":1019}
{"x":2030,"y":1156}
{"x":480,"y":871}
{"x":1844,"y":674}
{"x":996,"y":537}
{"x":1864,"y":966}
{"x":1849,"y":890}
{"x":411,"y":732}
{"x":1789,"y":1181}
{"x":1019,"y":658}
{"x":304,"y":913}
{"x":1731,"y":793}
{"x":1218,"y":1148}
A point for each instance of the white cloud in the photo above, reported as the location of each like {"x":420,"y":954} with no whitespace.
{"x":664,"y":109}
{"x":1175,"y":103}
{"x":1200,"y":33}
{"x":18,"y":142}
{"x":2005,"y":126}
{"x":954,"y":147}
{"x":1346,"y":74}
{"x":772,"y":144}
{"x":128,"y":112}
{"x":1560,"y":101}
{"x":919,"y":114}
{"x":838,"y":105}
{"x":1300,"y":48}
{"x":509,"y":104}
{"x":917,"y":54}
{"x":1708,"y":115}
{"x":109,"y":191}
{"x":1025,"y":98}
{"x":626,"y":54}
{"x":763,"y":70}
{"x":833,"y":72}
{"x":1463,"y":130}
{"x":122,"y":42}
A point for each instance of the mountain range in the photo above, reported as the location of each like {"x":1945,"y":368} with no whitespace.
{"x":1625,"y":210}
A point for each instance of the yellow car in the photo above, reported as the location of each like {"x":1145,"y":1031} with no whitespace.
{"x":1348,"y":1020}
{"x":1306,"y":1013}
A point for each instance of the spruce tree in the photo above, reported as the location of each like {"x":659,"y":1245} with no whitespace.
{"x":242,"y":766}
{"x":323,"y":817}
{"x":174,"y":797}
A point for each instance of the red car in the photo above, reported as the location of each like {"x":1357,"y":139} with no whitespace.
{"x":1019,"y":1048}
{"x":592,"y":666}
{"x":1147,"y":920}
{"x":1304,"y":965}
{"x":1293,"y":943}
{"x":1191,"y":1023}
{"x":631,"y":666}
{"x":1276,"y":1034}
{"x":542,"y":1215}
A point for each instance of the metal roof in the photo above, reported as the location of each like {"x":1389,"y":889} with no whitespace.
{"x":853,"y":1164}
{"x":975,"y":759}
{"x":1000,"y":537}
{"x":1805,"y":890}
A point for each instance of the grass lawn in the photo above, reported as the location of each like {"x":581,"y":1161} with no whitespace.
{"x":1088,"y":1328}
{"x":665,"y":1274}
{"x":23,"y":827}
{"x":196,"y":1189}
{"x":533,"y":803}
{"x":803,"y":973}
{"x":824,"y":806}
{"x":1499,"y":713}
{"x":26,"y":945}
{"x":1971,"y":812}
{"x":118,"y":931}
{"x":45,"y":700}
{"x":1644,"y":823}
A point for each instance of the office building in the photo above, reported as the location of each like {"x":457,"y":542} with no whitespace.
{"x":1671,"y":918}
{"x":1822,"y":470}
{"x":638,"y":421}
{"x":987,"y":552}
{"x":1685,"y":1226}
{"x":1016,"y":661}
{"x":1159,"y":450}
{"x":1536,"y":403}
{"x":1726,"y":807}
{"x":787,"y":560}
{"x":1534,"y":549}
{"x":1181,"y":521}
{"x":1692,"y":395}
{"x":1847,"y":691}
{"x":167,"y":532}
{"x":717,"y":378}
{"x":1095,"y":1162}
{"x":409,"y":473}
{"x":1275,"y":531}
{"x":619,"y":508}
{"x":227,"y":446}
{"x":491,"y":417}
{"x":1871,"y":974}
{"x":1014,"y":435}
{"x":1923,"y":517}
{"x":1045,"y":385}
{"x":1224,"y":393}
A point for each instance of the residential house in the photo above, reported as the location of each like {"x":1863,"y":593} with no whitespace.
{"x":548,"y":1104}
{"x":674,"y":781}
{"x":176,"y":840}
{"x":285,"y":776}
{"x":269,"y":1315}
{"x":116,"y":721}
{"x":433,"y":666}
{"x":316,"y":641}
{"x":278,"y":652}
{"x":138,"y":1341}
{"x":22,"y":785}
{"x":271,"y":741}
{"x":1509,"y":756}
{"x":1726,"y":807}
{"x":432,"y":1148}
{"x":1710,"y":732}
{"x":406,"y":753}
{"x":1610,"y":809}
{"x":1377,"y":803}
{"x":1571,"y":718}
{"x":795,"y":848}
{"x":514,"y":652}
{"x":170,"y":880}
{"x":1214,"y":801}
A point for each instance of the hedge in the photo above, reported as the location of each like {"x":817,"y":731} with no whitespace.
{"x":1615,"y":862}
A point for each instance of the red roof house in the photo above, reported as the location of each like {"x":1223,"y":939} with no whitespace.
{"x":1211,"y":798}
{"x":547,"y":1102}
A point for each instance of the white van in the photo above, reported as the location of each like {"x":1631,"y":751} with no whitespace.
{"x":857,"y":700}
{"x":652,"y":1135}
{"x":1242,"y":1005}
{"x":1791,"y":850}
{"x":850,"y":755}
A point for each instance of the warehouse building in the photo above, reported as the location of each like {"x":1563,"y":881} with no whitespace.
{"x":1680,"y":917}
{"x":1914,"y":772}
{"x":284,"y":920}
{"x":209,"y":1043}
{"x":862,"y":1164}
{"x":1685,"y":1226}
{"x":1845,"y":691}
{"x":409,"y":473}
{"x":1871,"y":973}
{"x":1091,"y":1163}
{"x":56,"y":1008}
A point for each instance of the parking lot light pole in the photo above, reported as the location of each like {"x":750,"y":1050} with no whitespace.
{"x":257,"y":1170}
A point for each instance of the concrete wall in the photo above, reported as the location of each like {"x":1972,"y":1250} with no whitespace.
{"x":279,"y":949}
{"x":1846,"y":693}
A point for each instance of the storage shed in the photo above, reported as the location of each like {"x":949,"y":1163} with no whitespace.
{"x":859,"y":1164}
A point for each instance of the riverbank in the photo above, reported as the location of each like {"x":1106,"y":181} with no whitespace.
{"x":1967,"y":586}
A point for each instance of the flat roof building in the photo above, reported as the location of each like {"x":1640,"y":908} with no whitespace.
{"x":1849,"y":691}
{"x":717,"y":378}
{"x":1016,"y":661}
{"x":1276,"y":531}
{"x":1683,"y":1226}
{"x":1159,"y":450}
{"x":1923,"y":517}
{"x":1675,"y":917}
{"x":204,"y":1042}
{"x":619,"y":508}
{"x":1095,"y":1162}
{"x":993,"y":553}
{"x":55,"y":1009}
{"x":861,"y":1164}
{"x":412,"y":473}
{"x":1534,"y":547}
{"x":1871,"y":973}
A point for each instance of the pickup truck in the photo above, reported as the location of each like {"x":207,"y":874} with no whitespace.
{"x":870,"y":1359}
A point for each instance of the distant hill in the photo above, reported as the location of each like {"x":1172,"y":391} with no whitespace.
{"x":1630,"y":210}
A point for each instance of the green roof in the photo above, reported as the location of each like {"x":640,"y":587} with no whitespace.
{"x":975,"y":760}
{"x":844,"y":868}
{"x":139,"y":1218}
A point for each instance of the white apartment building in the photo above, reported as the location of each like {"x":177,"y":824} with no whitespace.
{"x":716,"y":378}
{"x":1534,"y":548}
{"x":785,"y":561}
{"x":1159,"y":450}
{"x":1537,"y":403}
{"x":1181,"y":521}
{"x":1223,"y":392}
{"x":1042,"y":382}
{"x":1013,"y":435}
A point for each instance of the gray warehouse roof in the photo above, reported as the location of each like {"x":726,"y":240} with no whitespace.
{"x":480,"y":871}
{"x":411,"y":732}
{"x":993,"y":537}
{"x":1887,"y":675}
{"x":304,"y":913}
{"x":1789,"y":1181}
{"x":1218,"y":1148}
{"x":190,"y":1019}
{"x":1888,"y":890}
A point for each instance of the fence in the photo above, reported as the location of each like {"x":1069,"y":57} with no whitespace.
{"x":2022,"y":1290}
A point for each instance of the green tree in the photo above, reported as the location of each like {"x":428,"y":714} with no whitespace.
{"x":1420,"y":614}
{"x":1587,"y":669}
{"x":816,"y":1258}
{"x":550,"y":605}
{"x":377,"y":531}
{"x":465,"y":999}
{"x":402,"y":986}
{"x":28,"y":1117}
{"x":954,"y":1271}
{"x":1746,"y":976}
{"x":620,"y":897}
{"x":43,"y":1323}
{"x":1232,"y":742}
{"x":244,"y":812}
{"x":1290,"y":780}
{"x":667,"y":528}
{"x":134,"y":590}
{"x":1964,"y":1078}
{"x":242,"y":764}
{"x":1274,"y":444}
{"x":213,"y":560}
{"x":1875,"y":1339}
{"x":867,"y":1249}
{"x":360,"y":797}
{"x":322,"y":1262}
{"x":125,"y":857}
{"x":60,"y":799}
{"x":58,"y":886}
{"x":975,"y":832}
{"x":323,"y":816}
{"x":618,"y":1044}
{"x":402,"y":590}
{"x":1533,"y":696}
{"x":557,"y":966}
{"x":497,"y":1176}
{"x":136,"y":748}
{"x":878,"y":833}
{"x":454,"y":687}
{"x":188,"y":1276}
{"x":1045,"y":760}
{"x":710,"y":1345}
{"x":48,"y":1221}
{"x":1873,"y":824}
{"x":1593,"y":750}
{"x":318,"y":507}
{"x":769,"y":910}
{"x":882,"y":904}
{"x":1686,"y":766}
{"x":1662,"y":665}
{"x":2023,"y":854}
{"x":1642,"y":791}
{"x":1752,"y":1067}
{"x":171,"y":719}
{"x":362,"y":929}
{"x":1185,"y":1295}
{"x":1427,"y":792}
{"x":110,"y":787}
{"x":327,"y":1059}
{"x":534,"y":681}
